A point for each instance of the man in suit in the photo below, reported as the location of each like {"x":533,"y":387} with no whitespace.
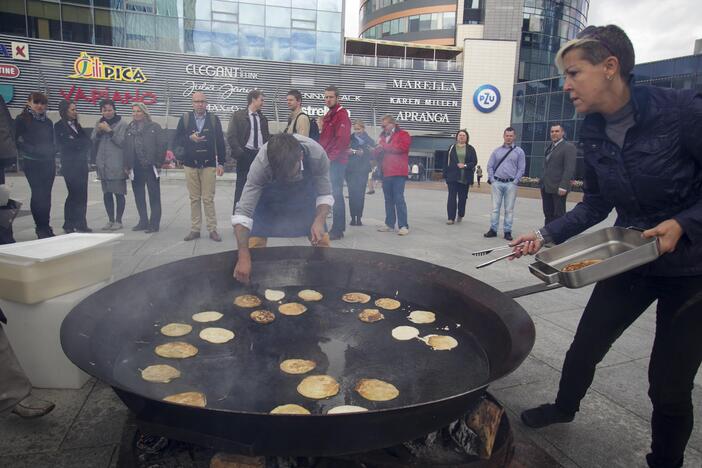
{"x":559,"y":169}
{"x":247,"y":132}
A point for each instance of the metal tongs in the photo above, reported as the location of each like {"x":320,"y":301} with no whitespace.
{"x":481,"y":253}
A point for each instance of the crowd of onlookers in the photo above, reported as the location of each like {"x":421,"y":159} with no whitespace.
{"x":135,"y":148}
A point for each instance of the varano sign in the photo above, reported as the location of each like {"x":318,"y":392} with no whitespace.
{"x":92,"y":68}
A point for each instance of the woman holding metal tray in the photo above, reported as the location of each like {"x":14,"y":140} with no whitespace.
{"x":642,"y":147}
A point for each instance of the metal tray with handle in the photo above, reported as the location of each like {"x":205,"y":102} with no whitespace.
{"x":620,"y":249}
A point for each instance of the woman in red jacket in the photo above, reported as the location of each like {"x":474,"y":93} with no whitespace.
{"x":393,"y":148}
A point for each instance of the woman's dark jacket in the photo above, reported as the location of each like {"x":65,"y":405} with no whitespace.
{"x":72,"y":146}
{"x":657,"y":176}
{"x":360,"y":163}
{"x":35,"y":138}
{"x":451,"y":171}
{"x":153,"y":141}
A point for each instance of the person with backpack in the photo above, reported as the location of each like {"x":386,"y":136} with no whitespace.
{"x":199,"y":145}
{"x":299,"y":122}
{"x":458,"y":173}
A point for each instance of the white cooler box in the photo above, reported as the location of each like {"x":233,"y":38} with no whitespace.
{"x":34,"y":271}
{"x":40,"y":283}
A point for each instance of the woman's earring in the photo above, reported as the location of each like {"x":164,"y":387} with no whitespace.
{"x":610,"y":77}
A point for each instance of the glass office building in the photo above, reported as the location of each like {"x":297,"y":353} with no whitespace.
{"x":432,"y":22}
{"x":283,"y":30}
{"x":539,"y":104}
{"x":547,"y":24}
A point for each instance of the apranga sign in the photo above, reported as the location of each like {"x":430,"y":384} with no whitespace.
{"x":89,"y":67}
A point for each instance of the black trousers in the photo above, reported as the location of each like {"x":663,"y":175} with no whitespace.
{"x":40,"y":175}
{"x":356,"y":183}
{"x":242,"y":171}
{"x":554,"y":205}
{"x":75,"y":174}
{"x":677,"y":351}
{"x":457,"y":196}
{"x":145,"y":179}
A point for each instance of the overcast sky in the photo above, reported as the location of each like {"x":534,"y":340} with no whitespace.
{"x":659,"y":29}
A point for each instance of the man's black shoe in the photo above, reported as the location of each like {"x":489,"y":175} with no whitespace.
{"x":508,"y":236}
{"x":336,"y":235}
{"x":545,"y":415}
{"x":490,"y":233}
{"x":353,"y":222}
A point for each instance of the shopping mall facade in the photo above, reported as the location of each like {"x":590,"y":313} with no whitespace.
{"x":437,"y":66}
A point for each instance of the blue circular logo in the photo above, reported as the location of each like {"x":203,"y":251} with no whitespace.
{"x":486,"y":98}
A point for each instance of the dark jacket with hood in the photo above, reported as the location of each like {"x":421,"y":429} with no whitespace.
{"x":451,"y":171}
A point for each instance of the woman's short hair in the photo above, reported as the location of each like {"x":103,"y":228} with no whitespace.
{"x":360,"y":123}
{"x":596,"y":43}
{"x":463,"y":130}
{"x":107,"y":102}
{"x":38,"y":98}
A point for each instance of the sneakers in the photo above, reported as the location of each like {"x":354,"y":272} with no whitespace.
{"x":449,"y":222}
{"x":140,"y":227}
{"x":108,"y":226}
{"x":192,"y":235}
{"x":215,"y":236}
{"x":151,"y":229}
{"x":33,"y":407}
{"x":459,"y":219}
{"x":545,"y":415}
{"x":116,"y":226}
{"x":490,"y":233}
{"x":508,"y":236}
{"x":403,"y":231}
{"x":385,"y":228}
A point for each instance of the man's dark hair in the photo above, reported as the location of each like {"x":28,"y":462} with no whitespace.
{"x":557,"y":124}
{"x":284,"y":151}
{"x":333,"y":89}
{"x":38,"y":98}
{"x":510,"y":129}
{"x":296,"y":94}
{"x":107,"y":102}
{"x":253,"y":94}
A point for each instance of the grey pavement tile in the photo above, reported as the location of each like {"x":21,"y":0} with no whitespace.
{"x":99,"y":422}
{"x":154,"y":261}
{"x":531,"y":370}
{"x":627,"y":385}
{"x":554,"y":301}
{"x":25,"y":436}
{"x":93,"y":457}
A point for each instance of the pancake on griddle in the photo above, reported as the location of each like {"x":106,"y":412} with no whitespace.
{"x":247,"y":301}
{"x":440,"y":342}
{"x":274,"y":295}
{"x":343,"y":409}
{"x":176,"y":350}
{"x":376,"y":390}
{"x":176,"y":329}
{"x":208,"y":316}
{"x":262,"y":316}
{"x":318,"y":387}
{"x":188,"y":398}
{"x":297,"y":366}
{"x":387,"y":303}
{"x":421,"y":316}
{"x":370,"y":315}
{"x":217,"y":335}
{"x":160,"y":373}
{"x":292,"y":308}
{"x":356,"y":298}
{"x":404,"y":333}
{"x":289,"y":409}
{"x":310,"y":295}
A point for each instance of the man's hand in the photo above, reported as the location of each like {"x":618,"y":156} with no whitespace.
{"x":530,"y":244}
{"x":562,"y":192}
{"x":196,"y":138}
{"x":242,"y":270}
{"x":668,"y":233}
{"x":104,"y":126}
{"x":220,"y":170}
{"x":317,"y":232}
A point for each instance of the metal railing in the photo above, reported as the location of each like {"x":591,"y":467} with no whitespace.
{"x":404,"y":63}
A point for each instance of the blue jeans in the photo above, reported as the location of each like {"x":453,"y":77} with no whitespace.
{"x":503,"y":193}
{"x":395,"y":206}
{"x":337,"y":172}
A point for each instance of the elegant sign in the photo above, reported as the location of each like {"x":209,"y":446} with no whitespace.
{"x":92,"y":68}
{"x":217,"y":71}
{"x":20,"y":50}
{"x":8,"y":70}
{"x":224,"y":91}
{"x":94,"y":96}
{"x":486,"y":98}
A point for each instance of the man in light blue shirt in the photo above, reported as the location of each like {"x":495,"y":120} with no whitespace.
{"x":505,"y":168}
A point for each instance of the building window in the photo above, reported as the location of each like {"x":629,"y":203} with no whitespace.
{"x":168,"y":34}
{"x":225,"y":39}
{"x":327,"y":21}
{"x":109,"y":27}
{"x":140,"y":31}
{"x":251,"y":14}
{"x":278,"y":17}
{"x":43,"y":20}
{"x":77,"y":24}
{"x":197,"y":37}
{"x":278,"y":44}
{"x":303,"y":46}
{"x":252,"y":41}
{"x":328,"y":48}
{"x":473,"y":12}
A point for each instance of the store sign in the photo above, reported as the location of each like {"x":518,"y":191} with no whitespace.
{"x":5,"y":51}
{"x":486,"y":98}
{"x":427,"y":85}
{"x":9,"y":71}
{"x":217,"y":71}
{"x":94,"y":96}
{"x":92,"y":68}
{"x":20,"y":50}
{"x":7,"y":92}
{"x":342,"y":98}
{"x":426,"y":117}
{"x":224,"y":91}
